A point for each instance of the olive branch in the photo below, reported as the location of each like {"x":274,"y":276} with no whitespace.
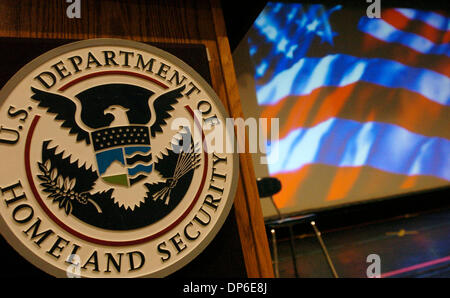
{"x":61,"y":189}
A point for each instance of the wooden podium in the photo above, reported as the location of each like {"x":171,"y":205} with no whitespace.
{"x":241,"y":247}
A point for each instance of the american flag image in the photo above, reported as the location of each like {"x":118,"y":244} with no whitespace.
{"x":363,"y":102}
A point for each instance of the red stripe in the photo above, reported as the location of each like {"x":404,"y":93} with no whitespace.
{"x":375,"y":48}
{"x":361,"y":102}
{"x":112,"y":72}
{"x":415,"y":267}
{"x":403,"y":23}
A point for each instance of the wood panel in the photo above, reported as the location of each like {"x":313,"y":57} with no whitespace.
{"x":197,"y":22}
{"x":247,"y":203}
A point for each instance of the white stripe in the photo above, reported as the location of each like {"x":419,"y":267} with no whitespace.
{"x":340,"y":70}
{"x":381,"y":30}
{"x":348,"y":143}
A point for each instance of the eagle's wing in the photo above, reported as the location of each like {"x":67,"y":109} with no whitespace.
{"x":64,"y":108}
{"x":162,"y":106}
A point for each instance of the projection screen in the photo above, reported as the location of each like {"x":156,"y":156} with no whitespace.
{"x":363,"y":103}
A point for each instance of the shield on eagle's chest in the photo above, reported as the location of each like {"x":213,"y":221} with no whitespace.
{"x":123,"y":154}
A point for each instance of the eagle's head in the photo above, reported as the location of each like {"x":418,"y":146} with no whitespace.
{"x":119,"y":113}
{"x":115,"y":109}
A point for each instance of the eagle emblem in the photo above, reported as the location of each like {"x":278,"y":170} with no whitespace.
{"x":118,"y":159}
{"x":121,"y":124}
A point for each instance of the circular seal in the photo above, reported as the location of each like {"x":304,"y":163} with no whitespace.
{"x":111,"y":161}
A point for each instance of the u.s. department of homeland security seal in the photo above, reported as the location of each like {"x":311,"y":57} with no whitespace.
{"x":105,"y":166}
